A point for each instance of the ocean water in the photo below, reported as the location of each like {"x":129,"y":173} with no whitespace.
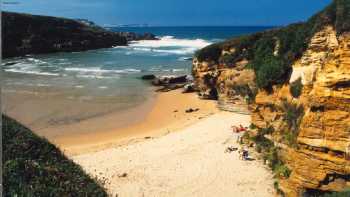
{"x":113,"y":74}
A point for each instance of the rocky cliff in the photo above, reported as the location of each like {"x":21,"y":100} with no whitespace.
{"x":30,"y":34}
{"x":295,"y":83}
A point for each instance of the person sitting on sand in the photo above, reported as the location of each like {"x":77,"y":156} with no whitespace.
{"x":230,"y":149}
{"x":241,"y":128}
{"x":245,"y":154}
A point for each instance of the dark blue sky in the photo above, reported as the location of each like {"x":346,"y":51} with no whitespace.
{"x":175,"y":12}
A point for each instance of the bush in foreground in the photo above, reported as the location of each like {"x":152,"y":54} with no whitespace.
{"x":34,"y":167}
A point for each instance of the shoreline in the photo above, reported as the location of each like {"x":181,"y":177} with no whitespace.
{"x":161,"y":113}
{"x":128,"y":160}
{"x":167,"y":115}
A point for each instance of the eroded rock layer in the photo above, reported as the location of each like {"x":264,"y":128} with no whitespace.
{"x":318,"y":116}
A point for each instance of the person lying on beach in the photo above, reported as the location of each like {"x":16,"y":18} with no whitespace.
{"x":230,"y":149}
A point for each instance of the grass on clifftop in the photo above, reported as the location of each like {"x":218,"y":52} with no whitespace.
{"x":271,"y":53}
{"x":34,"y":167}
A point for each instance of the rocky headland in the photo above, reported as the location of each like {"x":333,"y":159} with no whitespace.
{"x":295,"y":83}
{"x":33,"y":34}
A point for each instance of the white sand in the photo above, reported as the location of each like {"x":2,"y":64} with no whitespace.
{"x":190,"y":162}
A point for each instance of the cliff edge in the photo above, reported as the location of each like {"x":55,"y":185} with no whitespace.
{"x":295,"y":83}
{"x":32,"y":34}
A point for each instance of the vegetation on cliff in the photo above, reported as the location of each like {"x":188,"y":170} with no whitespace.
{"x":271,"y":53}
{"x":32,"y":34}
{"x":301,"y":123}
{"x":34,"y":167}
{"x":296,"y":88}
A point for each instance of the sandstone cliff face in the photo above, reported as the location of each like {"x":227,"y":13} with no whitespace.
{"x":319,"y":162}
{"x":228,"y":85}
{"x":319,"y":158}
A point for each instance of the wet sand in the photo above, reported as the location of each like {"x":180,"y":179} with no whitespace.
{"x":167,"y":114}
{"x":80,"y":127}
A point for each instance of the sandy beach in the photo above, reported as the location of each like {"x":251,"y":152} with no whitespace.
{"x":190,"y":162}
{"x":96,"y":126}
{"x":167,"y":114}
{"x":165,"y":151}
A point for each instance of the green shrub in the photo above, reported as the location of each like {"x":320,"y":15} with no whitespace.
{"x":290,"y":138}
{"x":277,"y":188}
{"x":246,"y":92}
{"x":293,"y":114}
{"x":258,"y":48}
{"x":282,"y":171}
{"x":211,"y":52}
{"x":227,"y":59}
{"x":296,"y":88}
{"x":262,"y":141}
{"x":267,"y":130}
{"x":34,"y":167}
{"x":271,"y":155}
{"x":345,"y":193}
{"x":252,"y":126}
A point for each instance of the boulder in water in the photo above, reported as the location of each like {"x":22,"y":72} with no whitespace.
{"x":148,"y":77}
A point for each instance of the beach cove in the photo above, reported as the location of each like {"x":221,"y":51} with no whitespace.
{"x":187,"y":160}
{"x":94,"y":106}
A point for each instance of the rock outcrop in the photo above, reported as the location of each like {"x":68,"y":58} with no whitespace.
{"x":24,"y":34}
{"x":168,"y":83}
{"x":131,"y":36}
{"x":307,"y":105}
{"x":31,"y":34}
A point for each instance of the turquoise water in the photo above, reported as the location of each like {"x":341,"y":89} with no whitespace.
{"x":114,"y":73}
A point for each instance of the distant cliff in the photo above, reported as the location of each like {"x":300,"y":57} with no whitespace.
{"x":31,"y":34}
{"x":295,"y":83}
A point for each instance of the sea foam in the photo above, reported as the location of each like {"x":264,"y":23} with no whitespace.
{"x":169,"y":44}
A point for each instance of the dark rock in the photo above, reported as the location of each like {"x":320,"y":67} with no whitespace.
{"x":210,"y":94}
{"x":170,"y":82}
{"x":131,"y":36}
{"x":148,"y":77}
{"x":148,"y":36}
{"x":164,"y":81}
{"x":180,"y":79}
{"x":188,"y":88}
{"x":9,"y":63}
{"x":190,"y":110}
{"x":123,"y":175}
{"x":170,"y":87}
{"x":156,"y":82}
{"x":32,"y":34}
